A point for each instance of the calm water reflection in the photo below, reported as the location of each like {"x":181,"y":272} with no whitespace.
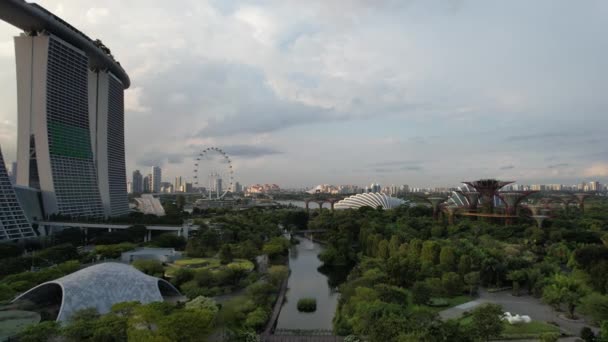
{"x":306,"y":280}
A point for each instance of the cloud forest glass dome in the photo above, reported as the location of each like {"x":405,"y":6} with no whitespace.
{"x":370,"y":199}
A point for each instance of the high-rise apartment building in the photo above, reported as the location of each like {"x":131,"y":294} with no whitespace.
{"x":13,"y":222}
{"x":146,"y":183}
{"x":177,"y":187}
{"x":138,"y":182}
{"x":156,"y":179}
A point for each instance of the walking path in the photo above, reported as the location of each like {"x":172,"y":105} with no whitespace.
{"x":523,"y":305}
{"x":277,"y":309}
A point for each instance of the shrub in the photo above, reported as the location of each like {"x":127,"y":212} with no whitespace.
{"x":549,"y":337}
{"x":307,"y":305}
{"x":438,"y":302}
{"x":256,"y":319}
{"x":587,"y":334}
{"x":149,"y":267}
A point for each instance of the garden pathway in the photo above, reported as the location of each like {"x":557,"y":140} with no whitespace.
{"x":523,"y":305}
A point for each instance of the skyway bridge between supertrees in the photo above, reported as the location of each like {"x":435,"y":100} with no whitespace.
{"x":483,"y":200}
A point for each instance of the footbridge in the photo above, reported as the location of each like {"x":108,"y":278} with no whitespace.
{"x":182,"y":230}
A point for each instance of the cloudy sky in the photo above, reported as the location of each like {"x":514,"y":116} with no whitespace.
{"x":419,"y":92}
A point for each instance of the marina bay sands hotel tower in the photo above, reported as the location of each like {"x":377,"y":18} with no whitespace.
{"x":70,"y":115}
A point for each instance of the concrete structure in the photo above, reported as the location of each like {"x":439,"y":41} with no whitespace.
{"x":156,"y":179}
{"x":148,"y":204}
{"x":70,"y":115}
{"x":99,"y":286}
{"x":14,"y":225}
{"x":138,"y":182}
{"x":160,"y":254}
{"x":371,"y":199}
{"x":146,"y":185}
{"x":51,"y":227}
{"x":435,"y":201}
{"x":581,"y":197}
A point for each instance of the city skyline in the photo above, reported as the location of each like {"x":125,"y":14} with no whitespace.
{"x":422,"y":93}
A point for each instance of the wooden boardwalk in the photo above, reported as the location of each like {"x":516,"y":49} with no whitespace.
{"x":277,"y":309}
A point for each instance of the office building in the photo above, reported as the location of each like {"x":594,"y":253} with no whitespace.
{"x":13,"y":223}
{"x":138,"y":182}
{"x":156,"y":179}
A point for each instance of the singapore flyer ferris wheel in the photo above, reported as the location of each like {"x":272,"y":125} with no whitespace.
{"x":213,"y":171}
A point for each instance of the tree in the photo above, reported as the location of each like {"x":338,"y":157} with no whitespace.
{"x":82,"y":325}
{"x":486,"y":321}
{"x":277,"y":273}
{"x":564,"y":290}
{"x":187,"y":325}
{"x":588,"y":335}
{"x":383,"y":250}
{"x":169,"y":240}
{"x":180,"y":201}
{"x":429,"y":255}
{"x":42,"y":332}
{"x":447,"y":258}
{"x":517,"y":277}
{"x":464,"y":265}
{"x":226,"y":256}
{"x":451,"y":283}
{"x":275,"y":247}
{"x":149,"y":267}
{"x":203,"y":303}
{"x":472,"y":281}
{"x":421,"y":293}
{"x":596,"y":306}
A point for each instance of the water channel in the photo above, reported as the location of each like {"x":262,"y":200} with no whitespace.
{"x":309,"y":279}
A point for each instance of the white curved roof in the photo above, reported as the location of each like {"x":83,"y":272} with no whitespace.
{"x":371,"y":199}
{"x":101,"y":286}
{"x":148,"y":204}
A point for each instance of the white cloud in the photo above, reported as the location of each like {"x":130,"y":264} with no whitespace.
{"x":596,"y":170}
{"x":133,"y":98}
{"x":95,"y":15}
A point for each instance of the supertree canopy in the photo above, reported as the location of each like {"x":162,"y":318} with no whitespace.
{"x":487,"y":189}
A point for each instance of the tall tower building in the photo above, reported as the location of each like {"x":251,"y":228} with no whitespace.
{"x":218,"y":186}
{"x":13,"y":223}
{"x":54,"y":149}
{"x":107,"y":124}
{"x":177,"y":187}
{"x":146,"y":183}
{"x":138,"y":182}
{"x":156,"y":179}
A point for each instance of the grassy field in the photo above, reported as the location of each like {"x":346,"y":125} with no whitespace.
{"x":13,"y":321}
{"x":530,"y":330}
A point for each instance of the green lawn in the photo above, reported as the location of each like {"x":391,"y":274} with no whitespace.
{"x":13,"y":321}
{"x":530,"y":330}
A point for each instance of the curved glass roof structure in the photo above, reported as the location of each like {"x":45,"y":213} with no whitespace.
{"x":370,"y":199}
{"x":99,"y":286}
